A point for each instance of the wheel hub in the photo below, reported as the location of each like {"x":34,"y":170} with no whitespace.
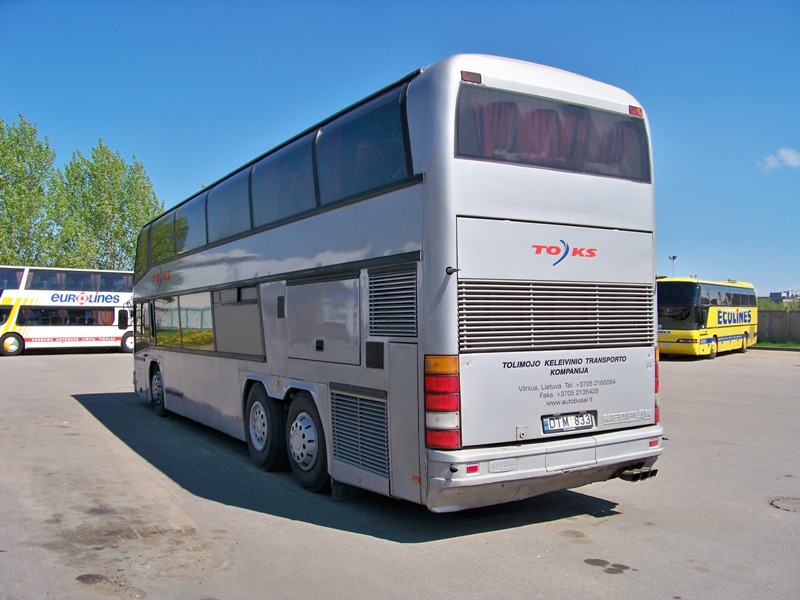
{"x":303,"y":441}
{"x":258,"y":426}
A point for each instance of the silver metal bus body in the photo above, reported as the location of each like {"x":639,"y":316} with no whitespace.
{"x":476,"y":330}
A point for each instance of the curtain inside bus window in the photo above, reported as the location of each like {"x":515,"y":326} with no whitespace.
{"x":497,"y":126}
{"x":537,"y":135}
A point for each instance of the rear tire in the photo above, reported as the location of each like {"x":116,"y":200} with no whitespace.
{"x":305,"y":444}
{"x":265,"y":427}
{"x":11,"y":345}
{"x":745,"y":340}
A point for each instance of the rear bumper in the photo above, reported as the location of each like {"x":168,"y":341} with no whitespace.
{"x":509,"y":473}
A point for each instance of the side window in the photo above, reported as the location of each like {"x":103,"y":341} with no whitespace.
{"x":229,"y":207}
{"x":142,"y":252}
{"x":142,"y":331}
{"x":190,"y":224}
{"x":10,"y":278}
{"x":283,"y":183}
{"x":162,"y":238}
{"x":237,"y":317}
{"x":197,"y":323}
{"x":167,"y":322}
{"x":363,"y":150}
{"x":5,"y":312}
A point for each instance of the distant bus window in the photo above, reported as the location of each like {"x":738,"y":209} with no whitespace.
{"x":10,"y":279}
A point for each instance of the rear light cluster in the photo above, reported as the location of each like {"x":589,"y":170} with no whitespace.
{"x":442,"y":403}
{"x":658,"y":386}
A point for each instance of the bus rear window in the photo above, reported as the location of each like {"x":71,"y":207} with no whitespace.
{"x":503,"y":126}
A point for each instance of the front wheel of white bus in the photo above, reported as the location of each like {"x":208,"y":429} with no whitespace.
{"x":127,"y":343}
{"x":305,"y":442}
{"x":264,"y":430}
{"x":11,"y":345}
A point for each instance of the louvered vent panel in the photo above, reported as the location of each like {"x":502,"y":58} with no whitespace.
{"x":496,"y":316}
{"x":360,"y":433}
{"x":393,"y":303}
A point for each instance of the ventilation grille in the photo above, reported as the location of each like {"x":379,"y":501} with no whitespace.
{"x":496,"y":316}
{"x":360,"y":433}
{"x":393,"y":303}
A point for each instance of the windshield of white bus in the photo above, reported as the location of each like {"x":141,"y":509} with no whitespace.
{"x":503,"y":126}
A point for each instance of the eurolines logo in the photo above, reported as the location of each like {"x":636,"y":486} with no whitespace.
{"x":84,"y":298}
{"x":563,"y":251}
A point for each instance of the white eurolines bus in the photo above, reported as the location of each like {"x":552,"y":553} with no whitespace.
{"x":443,"y":294}
{"x":48,"y":308}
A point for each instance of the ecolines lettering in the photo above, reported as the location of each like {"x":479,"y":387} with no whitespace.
{"x":84,"y":298}
{"x":733,"y":317}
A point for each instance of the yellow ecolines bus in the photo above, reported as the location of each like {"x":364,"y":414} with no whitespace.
{"x":703,"y":318}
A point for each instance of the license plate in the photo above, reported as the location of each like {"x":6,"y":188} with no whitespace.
{"x":568,"y":422}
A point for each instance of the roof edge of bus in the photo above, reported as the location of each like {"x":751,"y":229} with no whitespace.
{"x":731,"y":282}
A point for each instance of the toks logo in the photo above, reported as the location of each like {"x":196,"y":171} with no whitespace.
{"x":563,"y":251}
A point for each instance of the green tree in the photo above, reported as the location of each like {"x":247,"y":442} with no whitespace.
{"x":103,"y":204}
{"x":27,"y":175}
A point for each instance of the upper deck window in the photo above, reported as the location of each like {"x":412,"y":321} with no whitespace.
{"x":363,"y":150}
{"x":510,"y":127}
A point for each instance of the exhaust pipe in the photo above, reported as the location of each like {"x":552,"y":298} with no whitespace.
{"x":638,"y":474}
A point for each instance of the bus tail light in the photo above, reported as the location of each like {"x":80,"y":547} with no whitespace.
{"x":658,"y":387}
{"x":442,"y":403}
{"x":658,"y":380}
{"x":636,"y":111}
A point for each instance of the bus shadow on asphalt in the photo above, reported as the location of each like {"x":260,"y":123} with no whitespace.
{"x":214,"y":466}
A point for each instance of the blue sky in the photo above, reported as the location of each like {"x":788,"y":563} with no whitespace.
{"x":195,"y":89}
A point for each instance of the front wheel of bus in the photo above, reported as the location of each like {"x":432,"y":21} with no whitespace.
{"x":305,"y":442}
{"x":127,"y":342}
{"x":157,"y":392}
{"x":11,"y":345}
{"x":712,"y":352}
{"x":264,"y":431}
{"x":744,"y":344}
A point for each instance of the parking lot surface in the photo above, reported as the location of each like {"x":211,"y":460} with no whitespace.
{"x":100,"y":498}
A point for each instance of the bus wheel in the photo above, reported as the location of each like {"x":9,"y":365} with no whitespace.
{"x":744,"y":344}
{"x":127,"y":342}
{"x":712,"y":354}
{"x":264,"y":431}
{"x":11,"y":345}
{"x":305,"y":441}
{"x":157,"y":392}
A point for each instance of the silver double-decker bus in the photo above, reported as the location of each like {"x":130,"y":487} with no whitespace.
{"x":444,"y":293}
